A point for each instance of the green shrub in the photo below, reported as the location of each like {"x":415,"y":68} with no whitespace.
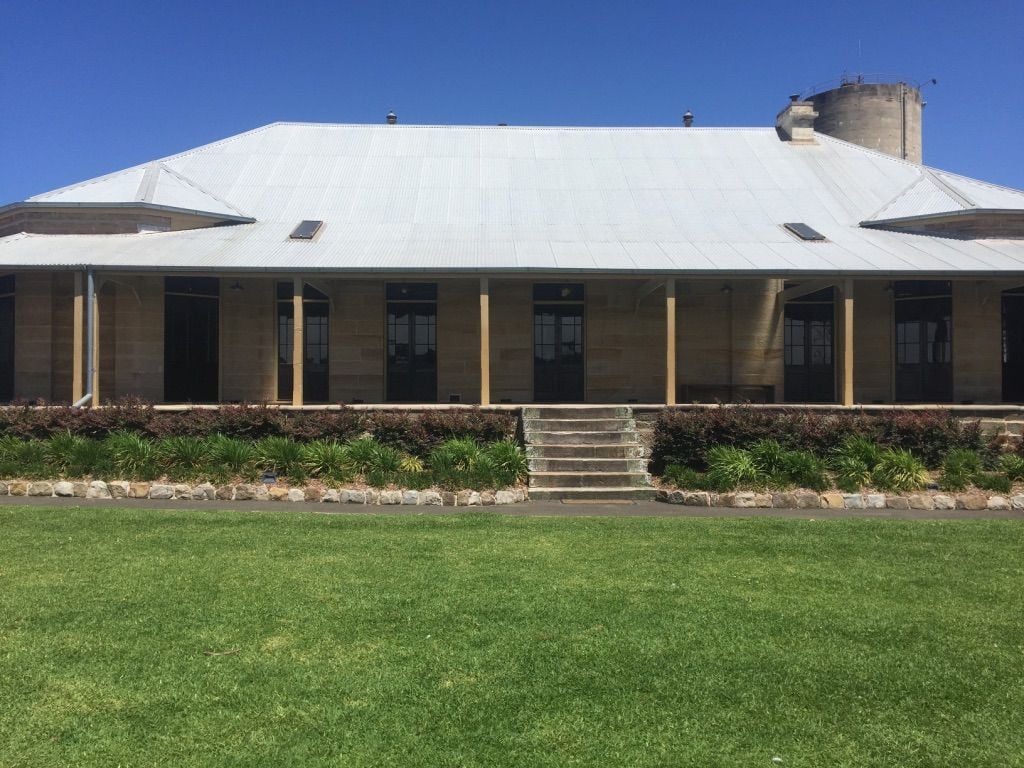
{"x":360,"y":454}
{"x":89,"y":457}
{"x":281,"y":455}
{"x":1012,"y":465}
{"x":730,"y":468}
{"x":683,"y":477}
{"x":24,"y":458}
{"x":133,"y":456}
{"x":996,"y":482}
{"x":233,"y":456}
{"x":853,"y":461}
{"x":804,"y":469}
{"x":770,"y":458}
{"x":508,"y":462}
{"x":184,"y":458}
{"x":958,"y":469}
{"x":899,"y":470}
{"x":327,"y":460}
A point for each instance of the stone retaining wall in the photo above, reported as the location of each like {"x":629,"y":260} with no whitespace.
{"x":835,"y":500}
{"x":122,"y":489}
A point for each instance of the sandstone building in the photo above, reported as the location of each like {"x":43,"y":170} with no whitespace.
{"x":302,"y":263}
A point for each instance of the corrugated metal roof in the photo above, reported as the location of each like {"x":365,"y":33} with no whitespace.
{"x":422,"y":198}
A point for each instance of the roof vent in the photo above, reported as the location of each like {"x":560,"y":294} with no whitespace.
{"x":392,"y":118}
{"x":803,"y":231}
{"x":306,"y":230}
{"x":688,"y":118}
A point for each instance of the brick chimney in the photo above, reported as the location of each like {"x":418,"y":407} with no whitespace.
{"x":796,"y":122}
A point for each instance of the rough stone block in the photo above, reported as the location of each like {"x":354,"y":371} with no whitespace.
{"x":410,"y":498}
{"x":312,"y":494}
{"x":897,"y":502}
{"x":784,"y":500}
{"x":763,"y":500}
{"x":331,"y":496}
{"x":204,"y":492}
{"x":832,"y":500}
{"x":448,"y":498}
{"x":874,"y":500}
{"x":118,"y":489}
{"x":696,"y":498}
{"x":277,"y":493}
{"x":138,"y":490}
{"x":853,"y":501}
{"x":64,"y":489}
{"x":161,"y":492}
{"x":390,"y":497}
{"x":97,"y":490}
{"x":431,"y":498}
{"x":372,"y":496}
{"x":487,"y":499}
{"x":972,"y":501}
{"x":40,"y":488}
{"x":504,"y":497}
{"x":998,"y":502}
{"x":17,"y":488}
{"x":182,"y":491}
{"x":807,"y":500}
{"x":944,"y":502}
{"x":474,"y":500}
{"x":3,"y":489}
{"x":243,"y":492}
{"x":920,"y":501}
{"x":462,"y":498}
{"x":296,"y":494}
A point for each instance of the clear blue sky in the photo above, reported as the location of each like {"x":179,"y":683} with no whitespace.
{"x":93,"y":87}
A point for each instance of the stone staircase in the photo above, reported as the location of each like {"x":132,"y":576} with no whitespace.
{"x":585,"y":453}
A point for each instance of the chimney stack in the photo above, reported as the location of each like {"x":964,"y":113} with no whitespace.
{"x":688,"y":118}
{"x":392,"y":118}
{"x":795,"y":123}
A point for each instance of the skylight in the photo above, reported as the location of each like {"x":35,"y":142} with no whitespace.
{"x":803,"y":231}
{"x":306,"y":230}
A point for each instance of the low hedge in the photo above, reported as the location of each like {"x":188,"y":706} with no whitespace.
{"x":684,"y":436}
{"x":413,"y":433}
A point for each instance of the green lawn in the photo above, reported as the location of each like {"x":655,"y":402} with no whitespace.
{"x":482,"y":640}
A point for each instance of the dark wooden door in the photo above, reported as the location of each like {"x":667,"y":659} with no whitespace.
{"x":412,"y":352}
{"x":191,"y":340}
{"x":809,"y":353}
{"x":6,"y":339}
{"x":1013,"y":347}
{"x":558,"y":371}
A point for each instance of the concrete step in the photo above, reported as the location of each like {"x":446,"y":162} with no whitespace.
{"x":592,"y":451}
{"x":579,"y":438}
{"x":587,"y":465}
{"x":592,"y":494}
{"x":578,"y":425}
{"x":588,"y":480}
{"x":575,"y":412}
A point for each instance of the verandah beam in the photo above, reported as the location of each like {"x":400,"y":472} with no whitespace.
{"x":846,"y":330}
{"x":485,"y":342}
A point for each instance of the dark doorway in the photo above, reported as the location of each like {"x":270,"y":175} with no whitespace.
{"x":924,"y":341}
{"x":1013,"y":346}
{"x":558,"y":368}
{"x":316,"y":314}
{"x":809,"y":348}
{"x":412,"y":342}
{"x":6,"y":338}
{"x":191,"y":334}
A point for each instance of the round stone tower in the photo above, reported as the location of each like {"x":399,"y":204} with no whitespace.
{"x":881,"y":116}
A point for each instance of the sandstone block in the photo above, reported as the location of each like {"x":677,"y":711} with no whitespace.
{"x":972,"y":501}
{"x":390,"y":497}
{"x":225,"y":493}
{"x":696,"y":499}
{"x":897,"y":502}
{"x":204,"y":492}
{"x":312,"y":494}
{"x":807,"y":500}
{"x":17,"y":488}
{"x":504,"y":497}
{"x":372,"y":496}
{"x":243,"y":492}
{"x":3,"y":488}
{"x":296,"y":494}
{"x":41,"y":488}
{"x":118,"y":489}
{"x":64,"y":489}
{"x":762,"y":500}
{"x":331,"y":496}
{"x":853,"y":501}
{"x":431,"y":498}
{"x":944,"y":502}
{"x":874,"y":500}
{"x":182,"y":491}
{"x":448,"y":498}
{"x":1017,"y":502}
{"x":462,"y":498}
{"x":832,"y":500}
{"x":138,"y":490}
{"x":161,"y":492}
{"x":410,"y":498}
{"x":487,"y":499}
{"x":277,"y":493}
{"x":920,"y":501}
{"x":784,"y":500}
{"x":474,"y":499}
{"x":998,"y":502}
{"x":97,"y":490}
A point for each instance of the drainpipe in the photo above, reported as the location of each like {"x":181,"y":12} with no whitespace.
{"x":90,"y":297}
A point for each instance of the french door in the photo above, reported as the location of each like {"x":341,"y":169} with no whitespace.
{"x":1013,"y":346}
{"x":809,"y":349}
{"x":316,"y":317}
{"x":412,"y":342}
{"x":6,"y":338}
{"x":191,"y":339}
{"x":558,"y":365}
{"x":924,"y":331}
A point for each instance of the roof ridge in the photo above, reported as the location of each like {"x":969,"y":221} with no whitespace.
{"x":949,"y":189}
{"x":407,"y":126}
{"x":88,"y":182}
{"x":195,"y":185}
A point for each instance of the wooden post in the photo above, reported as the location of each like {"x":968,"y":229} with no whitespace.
{"x":95,"y":341}
{"x":298,"y":343}
{"x":846,"y":380}
{"x":670,"y":342}
{"x":77,"y":337}
{"x":485,"y":342}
